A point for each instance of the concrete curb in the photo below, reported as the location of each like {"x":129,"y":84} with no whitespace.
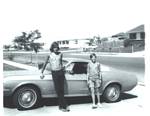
{"x":111,"y":55}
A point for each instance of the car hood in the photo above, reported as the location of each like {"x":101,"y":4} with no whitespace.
{"x":23,"y":73}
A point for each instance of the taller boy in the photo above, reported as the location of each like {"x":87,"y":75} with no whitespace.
{"x":55,"y":61}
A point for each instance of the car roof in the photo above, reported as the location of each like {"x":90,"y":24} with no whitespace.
{"x":76,"y":59}
{"x":103,"y":67}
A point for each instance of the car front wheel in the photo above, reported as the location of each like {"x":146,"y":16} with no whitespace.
{"x":25,"y":98}
{"x":112,"y":93}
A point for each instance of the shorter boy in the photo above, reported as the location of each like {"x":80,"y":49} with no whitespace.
{"x":94,"y":79}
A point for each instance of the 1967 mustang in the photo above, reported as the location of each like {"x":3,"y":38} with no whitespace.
{"x":26,"y":88}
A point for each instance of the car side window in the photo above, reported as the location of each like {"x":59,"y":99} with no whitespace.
{"x":80,"y":68}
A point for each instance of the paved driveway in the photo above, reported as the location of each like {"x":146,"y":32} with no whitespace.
{"x":131,"y":102}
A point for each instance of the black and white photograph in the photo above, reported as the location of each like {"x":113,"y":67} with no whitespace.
{"x":73,"y":57}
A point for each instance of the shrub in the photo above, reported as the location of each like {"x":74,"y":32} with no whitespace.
{"x":127,"y":42}
{"x":11,"y":57}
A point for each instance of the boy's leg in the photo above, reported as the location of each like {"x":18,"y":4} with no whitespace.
{"x":98,"y":95}
{"x":59,"y":87}
{"x":98,"y":85}
{"x":98,"y":98}
{"x":61,"y":90}
{"x":93,"y":95}
{"x":91,"y":85}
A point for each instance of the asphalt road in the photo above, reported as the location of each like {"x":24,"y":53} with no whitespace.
{"x":131,"y":102}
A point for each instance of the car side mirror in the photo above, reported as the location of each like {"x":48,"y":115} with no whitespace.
{"x":69,"y":71}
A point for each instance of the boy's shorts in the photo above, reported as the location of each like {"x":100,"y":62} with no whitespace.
{"x":95,"y":83}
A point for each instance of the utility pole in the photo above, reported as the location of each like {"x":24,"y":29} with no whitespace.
{"x":132,"y":48}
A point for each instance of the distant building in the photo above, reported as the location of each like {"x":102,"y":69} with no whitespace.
{"x":74,"y":43}
{"x":136,"y":36}
{"x":136,"y":33}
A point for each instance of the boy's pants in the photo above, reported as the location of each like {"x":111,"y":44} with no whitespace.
{"x":58,"y":78}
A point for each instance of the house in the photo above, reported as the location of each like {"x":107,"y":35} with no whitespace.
{"x":136,"y":33}
{"x":120,"y":36}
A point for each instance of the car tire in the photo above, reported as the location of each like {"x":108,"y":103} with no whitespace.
{"x":26,"y":98}
{"x":112,"y":93}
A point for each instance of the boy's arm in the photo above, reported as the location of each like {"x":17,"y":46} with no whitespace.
{"x":42,"y":76}
{"x":87,"y":73}
{"x":45,"y":65}
{"x":61,"y":60}
{"x":100,"y":73}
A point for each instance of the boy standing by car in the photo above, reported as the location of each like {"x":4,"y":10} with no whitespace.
{"x":55,"y":61}
{"x":94,"y":79}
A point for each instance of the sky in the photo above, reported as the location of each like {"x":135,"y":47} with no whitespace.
{"x":69,"y":19}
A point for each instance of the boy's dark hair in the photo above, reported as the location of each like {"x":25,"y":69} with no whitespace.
{"x":54,"y":45}
{"x":91,"y":55}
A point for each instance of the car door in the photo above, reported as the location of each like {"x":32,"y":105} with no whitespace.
{"x":76,"y":84}
{"x":47,"y":84}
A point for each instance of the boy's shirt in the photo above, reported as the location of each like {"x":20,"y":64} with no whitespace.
{"x":93,"y":70}
{"x":55,"y":61}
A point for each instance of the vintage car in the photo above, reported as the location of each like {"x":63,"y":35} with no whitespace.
{"x":26,"y":87}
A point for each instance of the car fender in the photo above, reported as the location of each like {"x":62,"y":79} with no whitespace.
{"x":26,"y":83}
{"x":126,"y":81}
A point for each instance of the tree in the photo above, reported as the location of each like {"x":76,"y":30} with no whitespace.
{"x":36,"y":46}
{"x":7,"y":47}
{"x":27,"y":42}
{"x":127,"y":42}
{"x":97,"y":40}
{"x":91,"y":42}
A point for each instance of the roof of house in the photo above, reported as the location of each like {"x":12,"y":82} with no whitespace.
{"x":139,"y":28}
{"x":119,"y":34}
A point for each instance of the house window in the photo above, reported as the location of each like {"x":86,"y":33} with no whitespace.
{"x":64,"y":42}
{"x":67,"y":42}
{"x":59,"y":42}
{"x":142,"y":35}
{"x":132,"y":35}
{"x":76,"y":41}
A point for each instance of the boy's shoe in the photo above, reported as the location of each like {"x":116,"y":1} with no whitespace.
{"x":65,"y":110}
{"x":94,"y":106}
{"x":99,"y":105}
